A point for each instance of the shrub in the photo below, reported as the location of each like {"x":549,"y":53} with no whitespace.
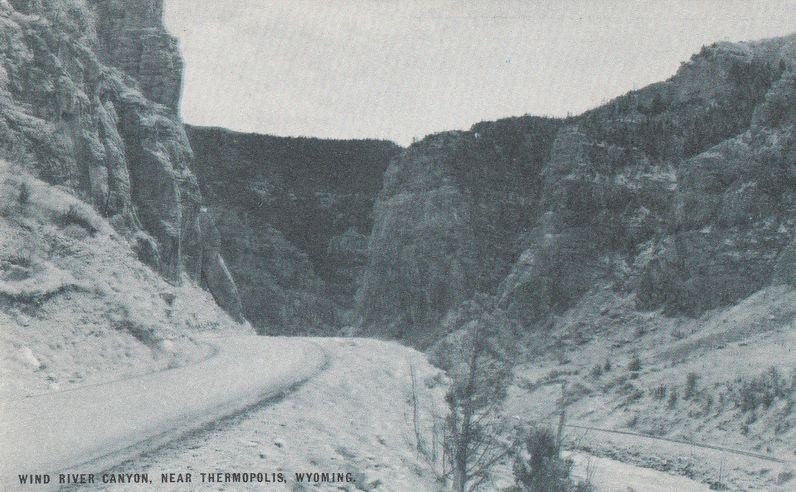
{"x":24,"y":254}
{"x":764,"y":389}
{"x":690,"y":385}
{"x":596,"y":371}
{"x":607,"y":365}
{"x":634,"y":394}
{"x":24,"y":193}
{"x":539,"y":466}
{"x":21,"y":259}
{"x":77,"y":215}
{"x":718,"y":485}
{"x":708,"y":404}
{"x":659,"y":393}
{"x":672,"y":398}
{"x":635,"y":364}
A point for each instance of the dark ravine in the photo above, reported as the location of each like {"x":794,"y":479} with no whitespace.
{"x":681,"y":194}
{"x":294,"y":215}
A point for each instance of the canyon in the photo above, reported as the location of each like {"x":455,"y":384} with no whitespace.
{"x":681,"y":192}
{"x":642,"y":253}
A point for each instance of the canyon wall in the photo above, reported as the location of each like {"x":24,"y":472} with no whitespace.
{"x":89,"y":94}
{"x":682,"y":193}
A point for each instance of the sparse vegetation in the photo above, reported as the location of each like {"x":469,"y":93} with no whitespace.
{"x":24,"y":255}
{"x":633,"y":393}
{"x":24,"y":193}
{"x":708,"y":404}
{"x":478,"y":358}
{"x":690,"y":385}
{"x":77,"y":215}
{"x":634,"y":365}
{"x":763,"y":390}
{"x":672,"y":402}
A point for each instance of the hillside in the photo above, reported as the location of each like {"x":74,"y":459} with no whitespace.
{"x":88,"y":101}
{"x":724,"y":378}
{"x":681,"y":193}
{"x":77,"y":306}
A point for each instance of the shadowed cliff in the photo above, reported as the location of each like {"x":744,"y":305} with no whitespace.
{"x":294,"y":216}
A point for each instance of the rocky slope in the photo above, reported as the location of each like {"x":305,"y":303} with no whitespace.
{"x":724,"y":378}
{"x":103,"y":245}
{"x":88,"y":101}
{"x":76,"y":305}
{"x":294,"y":215}
{"x":449,"y":222}
{"x":682,"y":194}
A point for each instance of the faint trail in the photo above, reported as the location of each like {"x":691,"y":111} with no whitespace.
{"x":688,"y":443}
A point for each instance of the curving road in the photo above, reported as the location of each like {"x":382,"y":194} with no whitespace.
{"x":88,"y":429}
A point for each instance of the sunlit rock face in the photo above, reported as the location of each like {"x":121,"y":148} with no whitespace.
{"x":88,"y":100}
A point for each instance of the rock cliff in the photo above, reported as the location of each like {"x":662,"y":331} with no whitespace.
{"x":88,"y":100}
{"x":681,"y":193}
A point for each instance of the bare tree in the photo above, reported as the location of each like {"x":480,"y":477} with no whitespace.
{"x":473,"y":436}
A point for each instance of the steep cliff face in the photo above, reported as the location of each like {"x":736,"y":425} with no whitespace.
{"x":132,"y":37}
{"x":88,"y":100}
{"x":449,"y":222}
{"x":680,"y":193}
{"x":294,"y":215}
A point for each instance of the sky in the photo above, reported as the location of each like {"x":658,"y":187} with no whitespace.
{"x":403,"y":69}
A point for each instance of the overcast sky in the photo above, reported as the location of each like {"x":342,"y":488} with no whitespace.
{"x":403,"y":69}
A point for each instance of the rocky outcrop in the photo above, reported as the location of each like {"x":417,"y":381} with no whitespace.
{"x":217,"y":278}
{"x":681,"y":193}
{"x":450,"y":220}
{"x":293,"y":215}
{"x":88,"y":100}
{"x":132,"y":37}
